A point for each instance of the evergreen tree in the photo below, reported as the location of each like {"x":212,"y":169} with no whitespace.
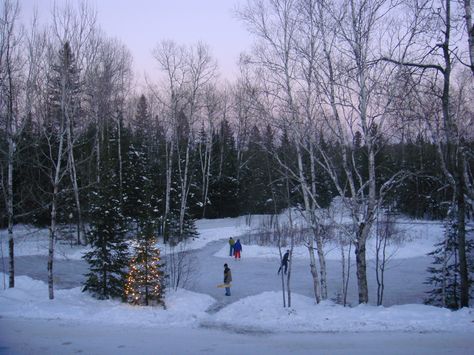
{"x":136,"y":185}
{"x":444,"y":274}
{"x":108,"y":260}
{"x":145,"y":280}
{"x":224,"y":184}
{"x":255,"y":193}
{"x":142,"y":118}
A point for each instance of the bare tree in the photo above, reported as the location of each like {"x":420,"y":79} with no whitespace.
{"x":275,"y":25}
{"x":10,"y":67}
{"x":213,"y":107}
{"x":434,"y":26}
{"x":188,"y":72}
{"x":386,"y":235}
{"x":470,"y":31}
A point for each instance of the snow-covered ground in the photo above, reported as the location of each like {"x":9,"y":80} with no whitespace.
{"x":248,"y":322}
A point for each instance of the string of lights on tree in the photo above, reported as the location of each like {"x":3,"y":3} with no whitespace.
{"x":144,"y":285}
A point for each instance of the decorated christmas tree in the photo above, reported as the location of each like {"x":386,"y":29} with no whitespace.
{"x":145,"y":280}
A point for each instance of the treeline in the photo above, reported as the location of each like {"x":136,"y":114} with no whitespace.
{"x":234,"y":183}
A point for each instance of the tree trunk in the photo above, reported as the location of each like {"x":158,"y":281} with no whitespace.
{"x":184,"y":189}
{"x":73,"y":175}
{"x":314,"y":273}
{"x":361,"y":264}
{"x":9,"y":16}
{"x":461,"y":229}
{"x":282,"y":274}
{"x":470,"y":31}
{"x":52,"y":238}
{"x":120,"y":160}
{"x":322,"y":265}
{"x":319,"y":241}
{"x":206,"y":173}
{"x":345,"y":280}
{"x":11,"y":242}
{"x":169,"y":168}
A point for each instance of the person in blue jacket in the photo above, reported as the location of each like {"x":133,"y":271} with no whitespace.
{"x":237,"y":249}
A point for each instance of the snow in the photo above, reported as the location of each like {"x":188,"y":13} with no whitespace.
{"x":263,"y":312}
{"x":206,"y":321}
{"x":29,"y":300}
{"x":419,"y":238}
{"x":35,"y":241}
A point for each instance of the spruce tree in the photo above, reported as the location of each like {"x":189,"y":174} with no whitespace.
{"x":145,"y":281}
{"x":108,"y":260}
{"x":224,"y":182}
{"x":255,"y":192}
{"x":444,"y":272}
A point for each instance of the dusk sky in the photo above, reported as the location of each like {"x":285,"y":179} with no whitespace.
{"x":141,"y":24}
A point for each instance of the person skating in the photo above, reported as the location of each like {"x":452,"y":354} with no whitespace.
{"x":284,"y":262}
{"x":231,"y":245}
{"x":237,"y":249}
{"x":227,"y":279}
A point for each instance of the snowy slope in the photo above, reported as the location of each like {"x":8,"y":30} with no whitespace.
{"x":263,"y":312}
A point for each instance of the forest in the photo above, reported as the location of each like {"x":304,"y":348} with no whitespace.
{"x":369,"y":101}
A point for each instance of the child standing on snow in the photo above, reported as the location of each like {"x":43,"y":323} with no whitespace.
{"x":237,"y":249}
{"x":231,"y":245}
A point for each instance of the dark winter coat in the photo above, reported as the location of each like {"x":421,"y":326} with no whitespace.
{"x":238,"y":246}
{"x":227,"y":276}
{"x":284,"y":261}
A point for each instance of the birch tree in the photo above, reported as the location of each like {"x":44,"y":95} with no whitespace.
{"x":74,"y":26}
{"x":355,"y":100}
{"x":10,"y":67}
{"x":188,"y":71}
{"x":275,"y":25}
{"x":212,"y":108}
{"x":470,"y":31}
{"x":171,"y":59}
{"x":429,"y":46}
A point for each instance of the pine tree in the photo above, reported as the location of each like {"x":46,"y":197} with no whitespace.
{"x":445,"y":270}
{"x":224,"y":184}
{"x":136,"y":181}
{"x":142,"y":118}
{"x":145,"y":280}
{"x":255,"y":192}
{"x":108,"y":260}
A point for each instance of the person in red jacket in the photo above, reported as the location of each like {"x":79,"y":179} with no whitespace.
{"x":237,"y":249}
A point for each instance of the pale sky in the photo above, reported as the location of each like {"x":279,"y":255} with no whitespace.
{"x":141,"y":24}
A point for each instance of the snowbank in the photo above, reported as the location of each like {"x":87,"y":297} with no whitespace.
{"x":265,"y":312}
{"x":29,"y":299}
